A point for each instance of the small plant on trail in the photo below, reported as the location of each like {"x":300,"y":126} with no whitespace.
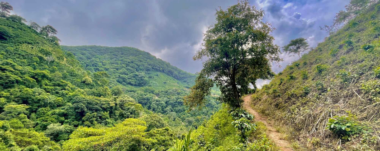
{"x":240,"y":113}
{"x":242,"y":122}
{"x":345,"y":126}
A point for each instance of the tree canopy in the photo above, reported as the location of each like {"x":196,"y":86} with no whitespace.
{"x":296,"y":46}
{"x":239,"y":50}
{"x":5,"y":7}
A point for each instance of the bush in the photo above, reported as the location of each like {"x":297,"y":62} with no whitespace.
{"x":353,"y":24}
{"x":321,"y":67}
{"x":320,"y":86}
{"x":344,"y":126}
{"x":297,"y":64}
{"x":344,"y":75}
{"x":304,"y":75}
{"x":291,"y":77}
{"x":377,"y":72}
{"x":333,"y":52}
{"x":348,"y":43}
{"x":306,"y":91}
{"x":368,"y":47}
{"x":291,"y":67}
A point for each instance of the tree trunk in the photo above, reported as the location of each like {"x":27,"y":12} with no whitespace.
{"x":235,"y":90}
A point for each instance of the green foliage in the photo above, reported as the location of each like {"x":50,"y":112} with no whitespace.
{"x":377,"y":72}
{"x":199,"y":91}
{"x":321,"y":67}
{"x":320,"y":86}
{"x":344,"y":126}
{"x":45,"y":94}
{"x":291,"y":77}
{"x":183,"y":145}
{"x":154,"y":122}
{"x":297,"y":64}
{"x":346,"y":82}
{"x":368,"y":47}
{"x":128,"y":135}
{"x":5,"y":34}
{"x":344,"y":75}
{"x":334,"y":52}
{"x":236,"y":57}
{"x":306,"y":90}
{"x":304,"y":75}
{"x":296,"y":46}
{"x":58,"y":132}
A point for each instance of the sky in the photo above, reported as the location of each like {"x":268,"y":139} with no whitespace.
{"x":172,"y":30}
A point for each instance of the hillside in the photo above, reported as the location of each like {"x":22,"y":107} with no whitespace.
{"x":329,"y":99}
{"x":49,"y":102}
{"x":154,"y":83}
{"x":131,"y":67}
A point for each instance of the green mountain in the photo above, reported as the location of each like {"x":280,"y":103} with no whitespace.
{"x":329,"y":99}
{"x":154,"y":83}
{"x":48,"y":101}
{"x":131,"y":67}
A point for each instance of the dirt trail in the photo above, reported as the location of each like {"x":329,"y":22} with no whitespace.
{"x":272,"y":133}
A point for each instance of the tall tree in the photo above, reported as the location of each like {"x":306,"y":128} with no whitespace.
{"x":48,"y":30}
{"x":5,"y":7}
{"x":34,"y":26}
{"x":239,"y":50}
{"x":297,"y":46}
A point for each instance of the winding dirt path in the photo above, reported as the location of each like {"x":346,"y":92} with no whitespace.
{"x":272,"y":133}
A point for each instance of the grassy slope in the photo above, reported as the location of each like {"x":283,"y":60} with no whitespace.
{"x":336,"y":78}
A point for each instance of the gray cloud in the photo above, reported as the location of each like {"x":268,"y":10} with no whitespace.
{"x":171,"y":29}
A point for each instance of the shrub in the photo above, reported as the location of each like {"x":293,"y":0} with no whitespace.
{"x":291,"y":67}
{"x":368,"y":47}
{"x":305,"y":63}
{"x":344,"y":75}
{"x":333,"y":52}
{"x":281,"y":81}
{"x":353,"y":24}
{"x":304,"y":75}
{"x":321,"y":67}
{"x":320,"y":86}
{"x":297,"y":64}
{"x":306,"y":91}
{"x":291,"y":77}
{"x":344,"y":126}
{"x":377,"y":72}
{"x":348,"y":43}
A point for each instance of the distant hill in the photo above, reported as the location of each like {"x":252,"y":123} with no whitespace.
{"x":329,"y":99}
{"x":131,"y":67}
